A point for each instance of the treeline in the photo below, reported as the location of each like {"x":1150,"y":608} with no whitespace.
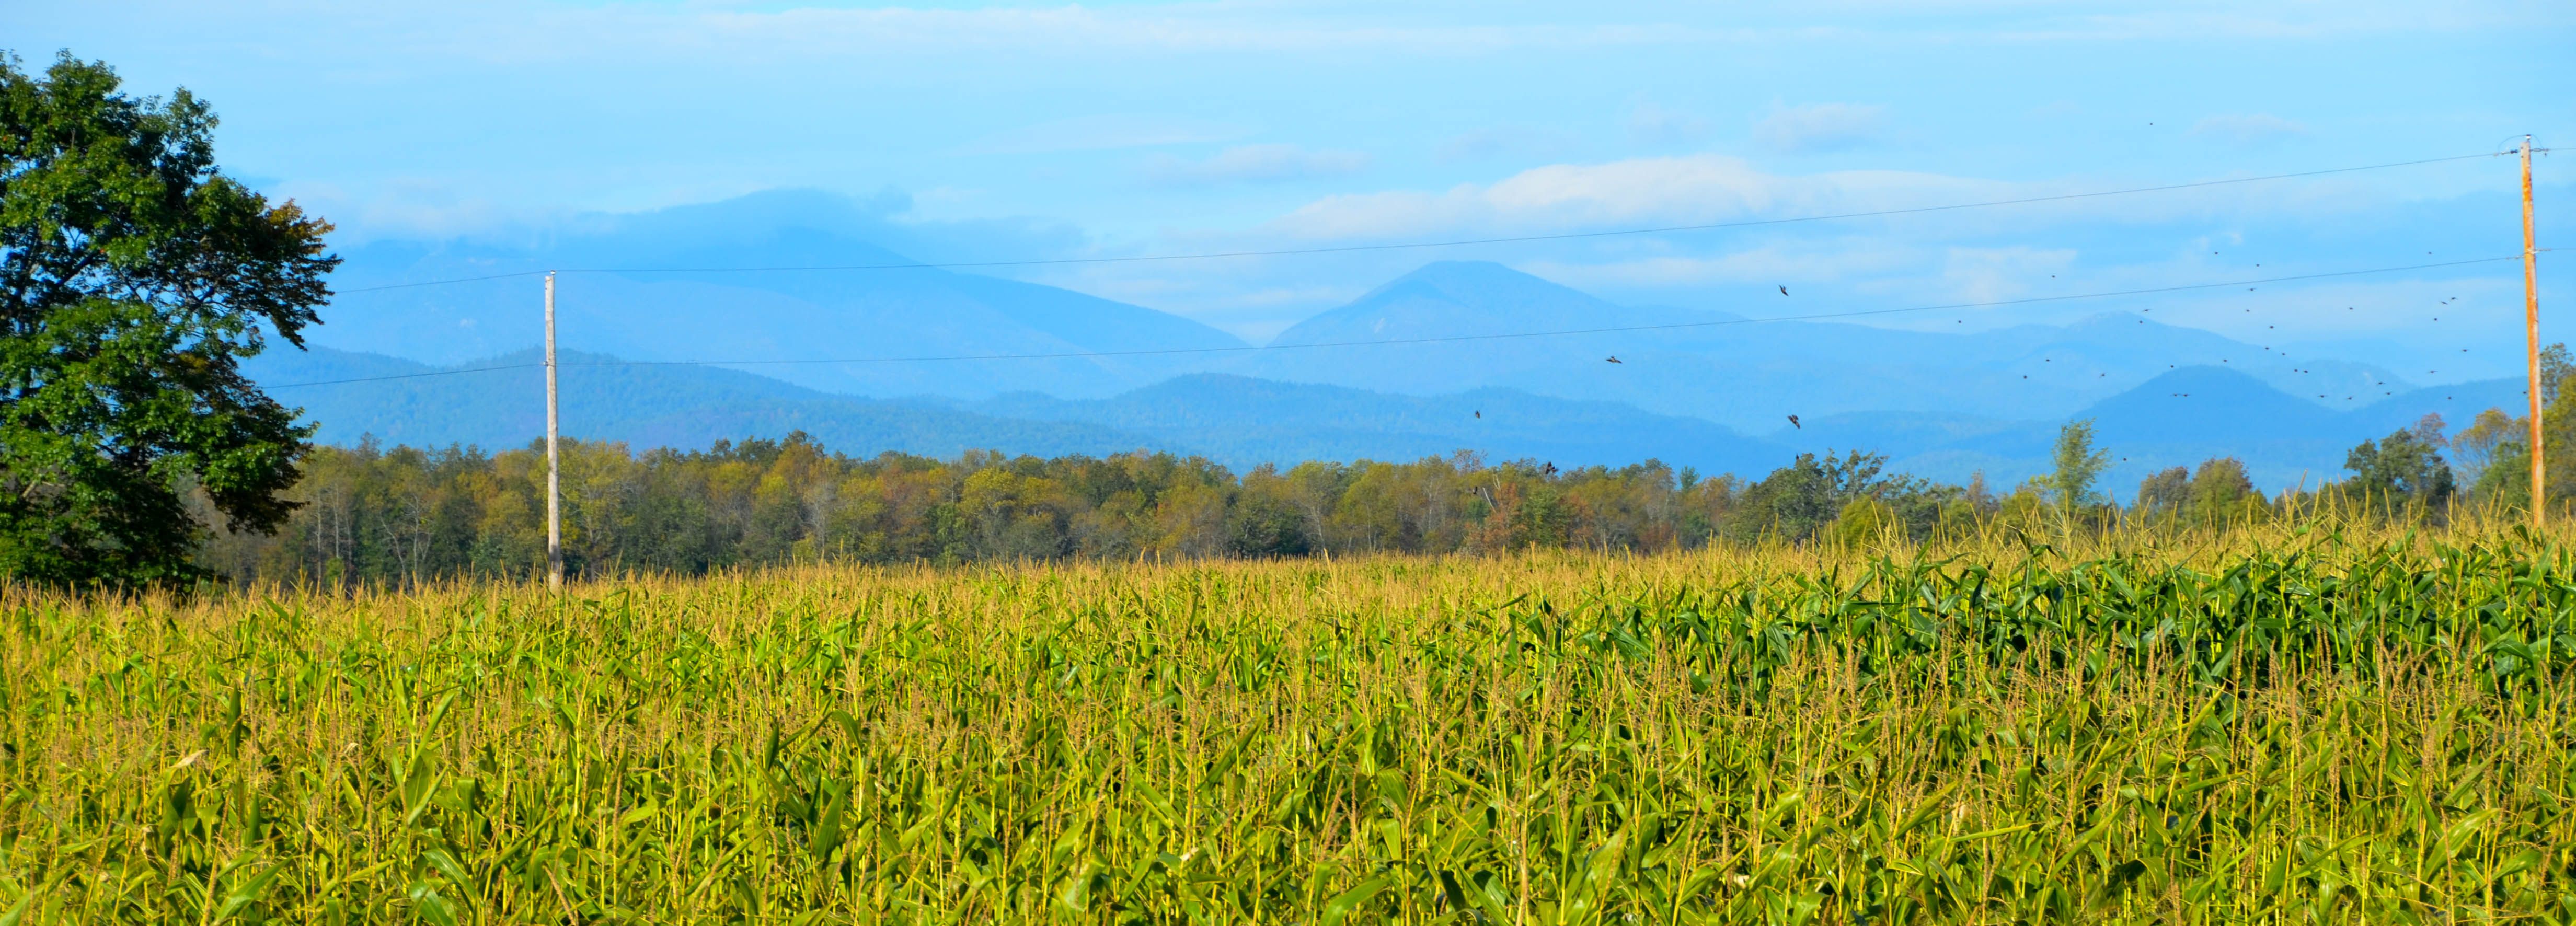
{"x":394,"y":516}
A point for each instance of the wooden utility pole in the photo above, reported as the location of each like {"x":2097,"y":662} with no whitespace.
{"x":555,"y":474}
{"x":2531,"y":342}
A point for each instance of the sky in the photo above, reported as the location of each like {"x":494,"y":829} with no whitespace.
{"x":1018,"y":131}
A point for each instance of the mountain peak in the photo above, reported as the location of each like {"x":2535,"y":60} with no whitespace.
{"x":1482,"y":280}
{"x":1452,"y":297}
{"x":2198,"y":400}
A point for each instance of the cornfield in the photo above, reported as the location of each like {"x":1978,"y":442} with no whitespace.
{"x":2276,"y":726}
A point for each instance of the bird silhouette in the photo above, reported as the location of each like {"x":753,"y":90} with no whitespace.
{"x":1793,"y":422}
{"x":1480,"y":414}
{"x":1784,"y":290}
{"x":1612,"y":359}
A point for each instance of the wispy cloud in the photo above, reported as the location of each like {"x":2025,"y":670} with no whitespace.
{"x":1821,"y":127}
{"x":1498,"y":140}
{"x":1101,"y":133}
{"x":2248,"y":130}
{"x":1194,"y":27}
{"x":1655,"y":125}
{"x":1273,"y":163}
{"x":1764,"y":267}
{"x":1661,"y":190}
{"x":1986,"y":274}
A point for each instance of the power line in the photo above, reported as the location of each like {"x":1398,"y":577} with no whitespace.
{"x":1566,"y":236}
{"x":379,"y":379}
{"x":1447,"y":338}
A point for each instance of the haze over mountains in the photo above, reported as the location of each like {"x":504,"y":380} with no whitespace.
{"x":892,"y":309}
{"x":868,"y":360}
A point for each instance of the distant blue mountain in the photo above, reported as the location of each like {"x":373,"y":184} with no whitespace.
{"x":888,"y":327}
{"x":2194,"y":414}
{"x":1398,"y":373}
{"x":1743,"y":372}
{"x":2177,"y":419}
{"x":1246,"y":421}
{"x":882,"y":320}
{"x":1241,"y":422}
{"x":503,"y":406}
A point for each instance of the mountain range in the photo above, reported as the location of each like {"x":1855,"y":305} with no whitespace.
{"x":2179,"y":418}
{"x":684,"y":340}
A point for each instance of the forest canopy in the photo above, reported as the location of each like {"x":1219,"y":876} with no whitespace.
{"x":392,"y":516}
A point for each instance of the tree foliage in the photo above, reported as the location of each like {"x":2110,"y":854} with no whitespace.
{"x":2078,"y":464}
{"x":2404,"y":468}
{"x":133,"y":278}
{"x":403,"y":514}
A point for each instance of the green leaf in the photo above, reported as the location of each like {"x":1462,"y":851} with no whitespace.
{"x":1340,"y":907}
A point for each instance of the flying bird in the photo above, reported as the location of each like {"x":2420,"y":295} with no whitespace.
{"x":1612,"y":359}
{"x":1793,"y":422}
{"x":1784,"y":290}
{"x":1480,"y":414}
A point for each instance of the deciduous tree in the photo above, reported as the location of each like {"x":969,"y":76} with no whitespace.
{"x":134,"y":276}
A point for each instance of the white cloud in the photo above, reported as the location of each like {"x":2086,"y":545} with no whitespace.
{"x":2292,"y":19}
{"x":1650,"y":191}
{"x":407,"y":207}
{"x":2249,"y":129}
{"x":831,"y":33}
{"x":1821,"y":127}
{"x":1655,"y":125}
{"x":1759,"y":268}
{"x":1273,"y":163}
{"x":1102,"y":132}
{"x":1497,"y":140}
{"x":1994,"y":274}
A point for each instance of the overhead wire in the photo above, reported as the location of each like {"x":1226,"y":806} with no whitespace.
{"x":1461,"y":242}
{"x":1248,"y":348}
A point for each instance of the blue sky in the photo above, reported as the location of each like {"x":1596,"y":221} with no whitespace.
{"x":1007,"y":131}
